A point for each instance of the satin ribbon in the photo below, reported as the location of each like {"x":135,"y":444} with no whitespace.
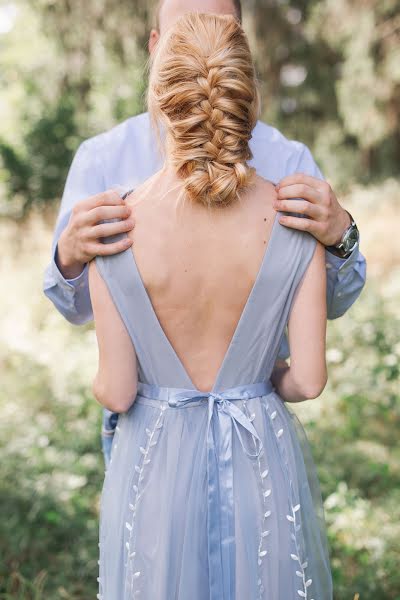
{"x":221,"y":515}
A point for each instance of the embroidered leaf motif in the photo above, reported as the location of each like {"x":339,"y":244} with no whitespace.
{"x":135,"y":488}
{"x":301,"y":593}
{"x":267,"y":493}
{"x":146,"y":461}
{"x":264,"y":473}
{"x":289,"y":518}
{"x":148,"y":431}
{"x":137,"y":468}
{"x":296,"y":508}
{"x":299,"y":574}
{"x":308,"y":582}
{"x":279,"y":433}
{"x":265,"y":533}
{"x":128,"y":526}
{"x":136,"y":575}
{"x":142,"y":450}
{"x":294,"y":556}
{"x":305,"y":564}
{"x":262,"y":553}
{"x":267,"y":514}
{"x":153,"y":443}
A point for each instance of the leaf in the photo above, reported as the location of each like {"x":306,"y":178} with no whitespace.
{"x":267,"y":493}
{"x":294,"y":556}
{"x":299,"y":574}
{"x":264,"y":473}
{"x":301,"y":593}
{"x":308,"y":582}
{"x":142,"y":450}
{"x":273,"y":415}
{"x":290,"y":518}
{"x":296,"y":508}
{"x":279,"y":433}
{"x":267,"y":514}
{"x":265,"y":533}
{"x":262,"y":553}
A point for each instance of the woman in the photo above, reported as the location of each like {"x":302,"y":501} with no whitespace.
{"x":211,"y":493}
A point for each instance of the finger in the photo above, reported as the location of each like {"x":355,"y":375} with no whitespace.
{"x":300,"y":190}
{"x":107,"y":249}
{"x":299,"y":223}
{"x":106,"y":229}
{"x":107,"y":198}
{"x":100,"y":213}
{"x":302,"y":207}
{"x":302,"y":179}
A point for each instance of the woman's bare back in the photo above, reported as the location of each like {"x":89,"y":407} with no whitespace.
{"x":198,"y":265}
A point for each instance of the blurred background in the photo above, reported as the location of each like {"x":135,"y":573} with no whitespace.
{"x":69,"y":69}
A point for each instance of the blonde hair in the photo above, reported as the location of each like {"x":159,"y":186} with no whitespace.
{"x":203,"y":88}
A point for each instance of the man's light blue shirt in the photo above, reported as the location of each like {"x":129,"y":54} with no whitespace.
{"x":128,"y":154}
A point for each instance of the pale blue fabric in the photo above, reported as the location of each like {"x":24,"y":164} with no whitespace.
{"x":212,"y":496}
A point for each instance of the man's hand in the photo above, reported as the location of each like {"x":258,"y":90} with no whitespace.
{"x":79,"y":242}
{"x":327,"y":219}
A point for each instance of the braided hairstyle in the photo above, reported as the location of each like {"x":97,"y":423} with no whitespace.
{"x":203,"y":88}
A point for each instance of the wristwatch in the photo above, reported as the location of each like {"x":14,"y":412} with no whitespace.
{"x":348,"y":242}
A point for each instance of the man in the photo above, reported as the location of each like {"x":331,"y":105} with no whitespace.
{"x":127,"y":155}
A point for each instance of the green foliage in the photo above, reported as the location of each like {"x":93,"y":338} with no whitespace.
{"x":329,"y":70}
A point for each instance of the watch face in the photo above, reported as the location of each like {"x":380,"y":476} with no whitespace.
{"x":351,"y":239}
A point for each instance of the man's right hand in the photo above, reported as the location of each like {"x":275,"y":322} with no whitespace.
{"x":79,"y":242}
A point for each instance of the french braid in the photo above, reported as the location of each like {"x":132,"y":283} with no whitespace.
{"x":203,"y":86}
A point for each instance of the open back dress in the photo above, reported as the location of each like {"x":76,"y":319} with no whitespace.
{"x":212,"y":495}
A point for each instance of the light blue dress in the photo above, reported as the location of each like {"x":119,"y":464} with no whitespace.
{"x":212,"y":496}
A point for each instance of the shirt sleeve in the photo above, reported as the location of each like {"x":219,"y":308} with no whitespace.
{"x":71,"y":296}
{"x":345,"y":277}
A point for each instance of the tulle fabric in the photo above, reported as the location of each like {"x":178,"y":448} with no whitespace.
{"x":153,"y":518}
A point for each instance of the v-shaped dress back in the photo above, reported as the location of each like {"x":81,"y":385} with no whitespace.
{"x":212,"y":495}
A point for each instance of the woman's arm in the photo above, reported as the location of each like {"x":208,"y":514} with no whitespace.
{"x":115,"y":384}
{"x":306,"y":377}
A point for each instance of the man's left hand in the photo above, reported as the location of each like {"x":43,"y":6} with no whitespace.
{"x":314,"y":198}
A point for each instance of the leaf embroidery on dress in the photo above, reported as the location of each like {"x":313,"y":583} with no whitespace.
{"x":133,"y":576}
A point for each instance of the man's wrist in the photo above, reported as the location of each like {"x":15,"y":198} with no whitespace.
{"x":345,"y":224}
{"x":67,"y":267}
{"x":348,"y":241}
